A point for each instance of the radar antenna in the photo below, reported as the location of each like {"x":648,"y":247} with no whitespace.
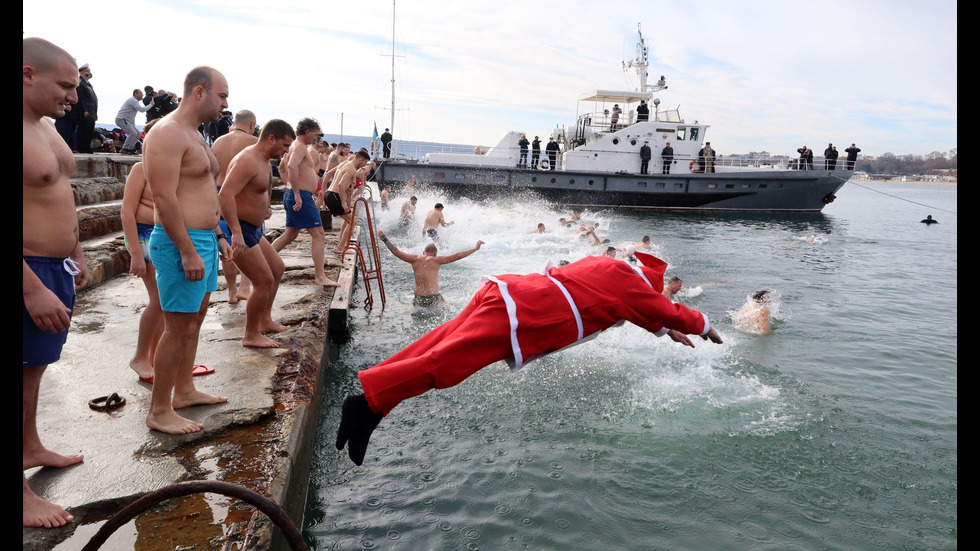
{"x":642,"y":64}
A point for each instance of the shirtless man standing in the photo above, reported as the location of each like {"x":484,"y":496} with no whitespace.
{"x":301,"y":210}
{"x":225,"y":148}
{"x":338,"y":196}
{"x":54,"y":267}
{"x":136,"y":215}
{"x":426,"y":270}
{"x":334,"y":160}
{"x":184,"y":245}
{"x":244,"y":199}
{"x":407,"y":215}
{"x":434,"y":219}
{"x":323,"y":151}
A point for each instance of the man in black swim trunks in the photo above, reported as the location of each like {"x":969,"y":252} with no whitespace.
{"x":338,"y":196}
{"x":244,"y":199}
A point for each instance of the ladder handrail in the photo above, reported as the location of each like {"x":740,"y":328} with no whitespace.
{"x":367,"y":274}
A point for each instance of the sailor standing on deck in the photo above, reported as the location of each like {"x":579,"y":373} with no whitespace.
{"x":523,"y":143}
{"x":668,"y":156}
{"x":535,"y":152}
{"x":552,"y":149}
{"x":645,"y":155}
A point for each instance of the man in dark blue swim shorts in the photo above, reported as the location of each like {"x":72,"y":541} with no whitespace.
{"x":53,"y":266}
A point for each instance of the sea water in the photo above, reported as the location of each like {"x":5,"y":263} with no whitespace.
{"x":836,"y":431}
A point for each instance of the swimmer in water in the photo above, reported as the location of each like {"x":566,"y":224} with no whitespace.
{"x":672,"y":286}
{"x":929,"y":221}
{"x":754,"y":316}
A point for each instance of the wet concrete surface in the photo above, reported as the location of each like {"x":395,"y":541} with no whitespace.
{"x":260,"y":438}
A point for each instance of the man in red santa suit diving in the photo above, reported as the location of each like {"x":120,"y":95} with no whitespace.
{"x":517,"y":318}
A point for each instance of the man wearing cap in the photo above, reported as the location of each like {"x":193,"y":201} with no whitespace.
{"x":386,"y":144}
{"x":645,"y":155}
{"x":830,"y":157}
{"x":518,"y":318}
{"x":642,"y":112}
{"x":535,"y":152}
{"x":667,"y":154}
{"x":88,"y":110}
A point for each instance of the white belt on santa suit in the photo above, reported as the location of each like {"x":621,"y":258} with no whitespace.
{"x":517,"y":362}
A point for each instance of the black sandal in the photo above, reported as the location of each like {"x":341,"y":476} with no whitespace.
{"x":107,"y":403}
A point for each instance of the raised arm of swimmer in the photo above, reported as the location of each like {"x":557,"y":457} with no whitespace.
{"x":460,"y":255}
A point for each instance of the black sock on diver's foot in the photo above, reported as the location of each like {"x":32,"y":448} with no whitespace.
{"x":357,"y":422}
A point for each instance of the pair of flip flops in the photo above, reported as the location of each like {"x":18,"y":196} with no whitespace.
{"x":107,"y":403}
{"x":198,"y":370}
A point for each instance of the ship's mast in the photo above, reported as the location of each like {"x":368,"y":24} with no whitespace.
{"x":642,"y":66}
{"x":392,"y":127}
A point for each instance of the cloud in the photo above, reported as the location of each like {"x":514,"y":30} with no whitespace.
{"x":765,"y":75}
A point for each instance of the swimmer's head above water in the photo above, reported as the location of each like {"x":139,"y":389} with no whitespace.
{"x":761,"y":296}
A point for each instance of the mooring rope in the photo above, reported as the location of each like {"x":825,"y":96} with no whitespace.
{"x":890,"y":195}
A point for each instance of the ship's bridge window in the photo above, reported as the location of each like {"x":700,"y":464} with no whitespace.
{"x":681,"y":132}
{"x":694,"y":133}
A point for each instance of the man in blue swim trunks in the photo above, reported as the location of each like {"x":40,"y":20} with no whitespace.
{"x":53,"y":264}
{"x":244,"y":199}
{"x":297,"y":170}
{"x":184,"y":245}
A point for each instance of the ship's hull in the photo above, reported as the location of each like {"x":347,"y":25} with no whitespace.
{"x":756,"y":190}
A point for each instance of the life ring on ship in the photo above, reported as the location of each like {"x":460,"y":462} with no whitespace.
{"x":691,"y":166}
{"x":543,"y":164}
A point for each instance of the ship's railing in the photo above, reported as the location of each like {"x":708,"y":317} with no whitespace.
{"x":418,"y":151}
{"x":729,"y":162}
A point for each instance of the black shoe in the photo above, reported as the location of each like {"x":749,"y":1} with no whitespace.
{"x":357,"y":422}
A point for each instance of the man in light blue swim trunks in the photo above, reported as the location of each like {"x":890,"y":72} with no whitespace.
{"x":184,"y":245}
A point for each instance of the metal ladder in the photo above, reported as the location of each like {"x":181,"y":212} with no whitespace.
{"x":373,"y":273}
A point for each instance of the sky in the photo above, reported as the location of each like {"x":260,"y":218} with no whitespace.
{"x":765,"y":75}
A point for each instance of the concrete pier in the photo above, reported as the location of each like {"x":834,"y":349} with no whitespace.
{"x":261,"y":439}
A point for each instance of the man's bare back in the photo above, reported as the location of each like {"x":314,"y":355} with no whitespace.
{"x":226,"y":147}
{"x":433,"y":219}
{"x":425,"y":266}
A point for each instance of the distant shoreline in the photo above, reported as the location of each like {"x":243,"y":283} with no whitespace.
{"x":905,"y":182}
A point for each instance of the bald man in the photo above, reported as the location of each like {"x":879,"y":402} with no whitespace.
{"x":239,"y":136}
{"x":185,"y":243}
{"x":54,"y":267}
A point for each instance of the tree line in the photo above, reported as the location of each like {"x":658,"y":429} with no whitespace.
{"x":888,"y":163}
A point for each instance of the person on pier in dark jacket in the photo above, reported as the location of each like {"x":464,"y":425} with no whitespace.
{"x":88,"y":110}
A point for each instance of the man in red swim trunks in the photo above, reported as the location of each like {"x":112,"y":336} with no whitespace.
{"x":517,"y":318}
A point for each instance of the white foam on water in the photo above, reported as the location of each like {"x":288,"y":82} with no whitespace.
{"x":666,"y":376}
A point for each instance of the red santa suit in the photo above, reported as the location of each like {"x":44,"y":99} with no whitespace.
{"x":517,"y":318}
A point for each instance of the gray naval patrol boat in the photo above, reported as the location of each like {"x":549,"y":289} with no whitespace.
{"x":598,"y":163}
